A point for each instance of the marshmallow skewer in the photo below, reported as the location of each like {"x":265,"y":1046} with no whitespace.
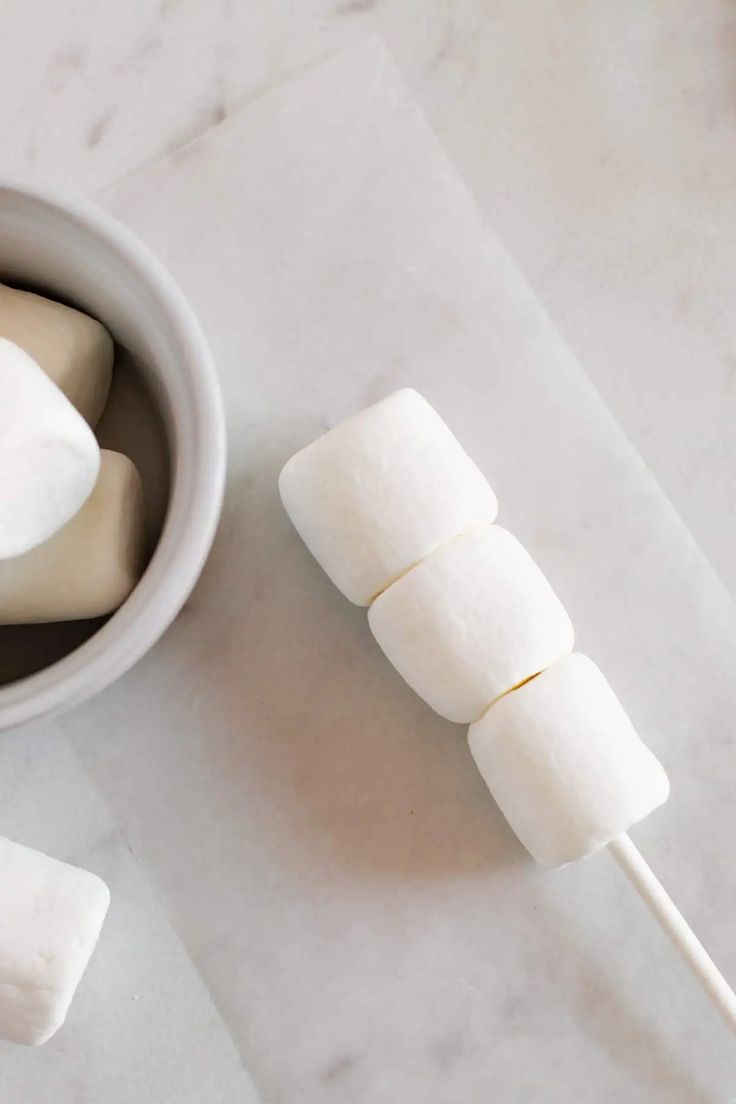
{"x":401,"y":520}
{"x":675,"y":926}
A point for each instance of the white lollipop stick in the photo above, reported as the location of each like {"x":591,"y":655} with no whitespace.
{"x":674,"y":924}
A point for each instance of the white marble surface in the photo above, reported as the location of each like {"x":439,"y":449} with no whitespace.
{"x":365,"y":925}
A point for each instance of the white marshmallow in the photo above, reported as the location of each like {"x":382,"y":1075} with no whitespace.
{"x":474,"y":619}
{"x":49,"y":457}
{"x":382,"y":490}
{"x":76,"y":351}
{"x":50,"y":919}
{"x":563,"y":762}
{"x":91,"y":565}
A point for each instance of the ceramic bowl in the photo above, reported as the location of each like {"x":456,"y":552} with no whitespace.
{"x":72,"y":249}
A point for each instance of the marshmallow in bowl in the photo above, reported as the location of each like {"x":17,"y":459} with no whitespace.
{"x":89,"y":567}
{"x":50,"y":919}
{"x":74,"y":350}
{"x":473,"y":620}
{"x":564,"y":763}
{"x":49,"y":458}
{"x":378,"y":493}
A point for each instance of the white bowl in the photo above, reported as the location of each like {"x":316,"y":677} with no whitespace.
{"x":74,"y":249}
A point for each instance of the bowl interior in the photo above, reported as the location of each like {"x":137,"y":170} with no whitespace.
{"x":165,"y":413}
{"x":132,"y":424}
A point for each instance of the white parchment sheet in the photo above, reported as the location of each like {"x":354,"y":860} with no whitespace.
{"x":367,"y":927}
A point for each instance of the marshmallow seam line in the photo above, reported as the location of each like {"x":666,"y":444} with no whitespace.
{"x":473,"y":527}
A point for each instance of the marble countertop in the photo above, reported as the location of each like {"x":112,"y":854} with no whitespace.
{"x":285,"y":933}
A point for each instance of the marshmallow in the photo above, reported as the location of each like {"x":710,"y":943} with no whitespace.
{"x":50,"y":919}
{"x":382,"y":490}
{"x":564,"y":763}
{"x":474,"y":619}
{"x":76,"y":351}
{"x":49,"y":458}
{"x":91,"y":565}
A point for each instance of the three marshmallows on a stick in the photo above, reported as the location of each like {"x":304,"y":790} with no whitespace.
{"x":402,"y":521}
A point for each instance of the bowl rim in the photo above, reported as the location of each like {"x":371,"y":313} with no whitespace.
{"x":194,"y":507}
